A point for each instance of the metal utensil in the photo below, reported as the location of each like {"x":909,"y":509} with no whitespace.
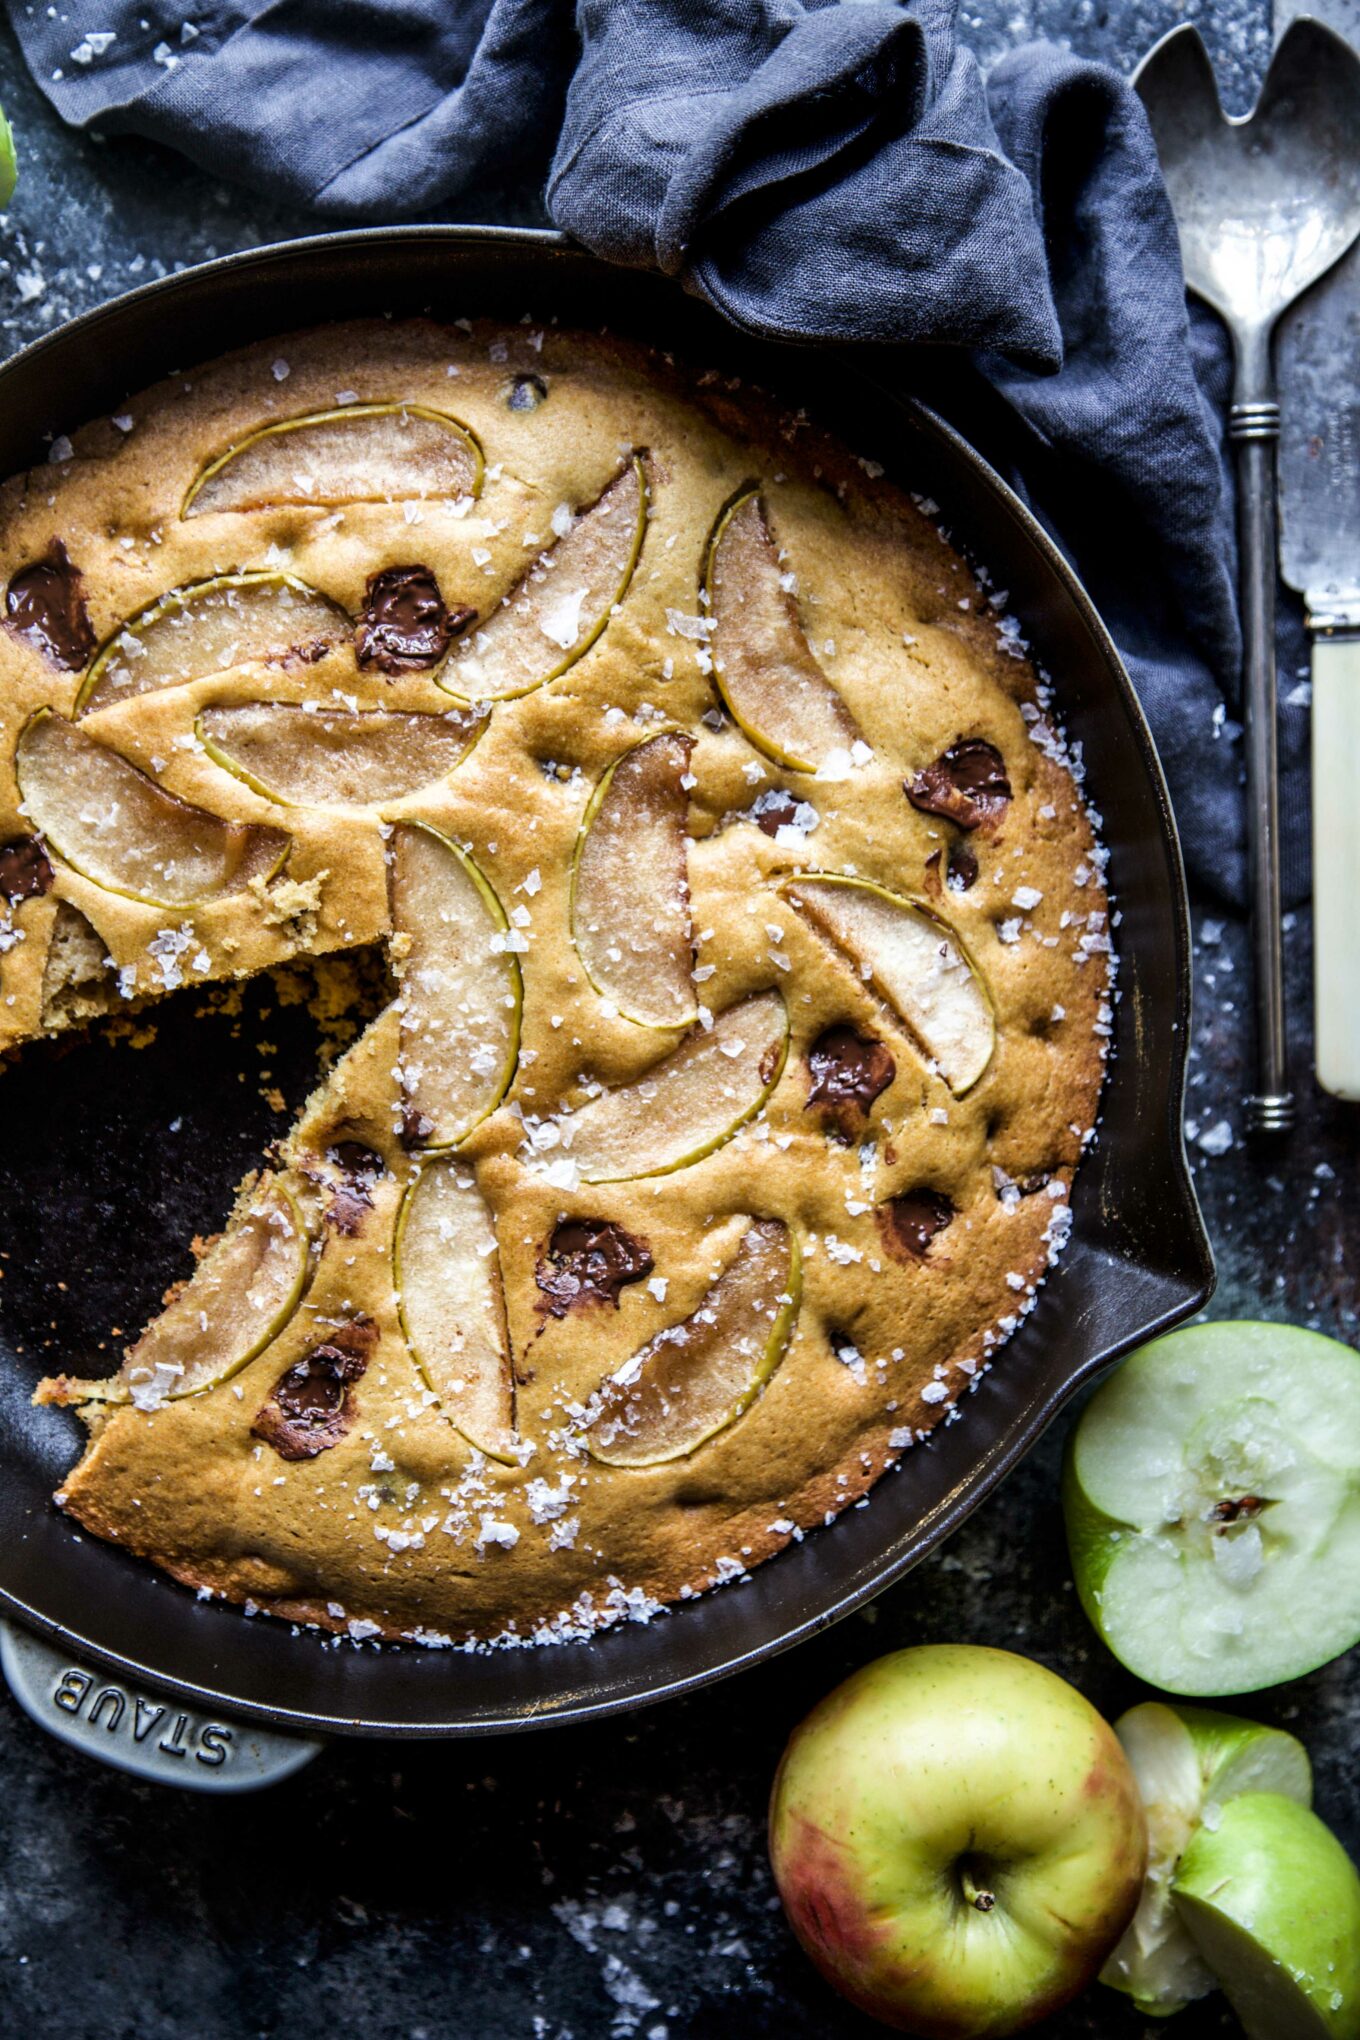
{"x":1318,"y":354}
{"x":1264,"y":209}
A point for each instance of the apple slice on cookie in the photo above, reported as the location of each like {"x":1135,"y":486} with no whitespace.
{"x":555,"y":613}
{"x":237,"y":1301}
{"x":112,"y":823}
{"x":917,"y":966}
{"x":452,"y":1305}
{"x":686,"y":1105}
{"x":362,"y":453}
{"x":777,"y":693}
{"x":630,"y":885}
{"x":461,"y":989}
{"x":208,"y":627}
{"x":695,"y":1378}
{"x":332,"y":758}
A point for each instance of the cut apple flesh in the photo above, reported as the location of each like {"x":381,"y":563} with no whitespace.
{"x":239,"y":1298}
{"x":234,"y":620}
{"x":694,"y":1379}
{"x":630,"y":887}
{"x":554,"y":615}
{"x":452,"y":1306}
{"x":1212,"y":1494}
{"x":112,"y":823}
{"x":776,"y":691}
{"x":914,"y":964}
{"x":461,"y":992}
{"x":688,"y":1104}
{"x":330,"y":758}
{"x":365,"y":453}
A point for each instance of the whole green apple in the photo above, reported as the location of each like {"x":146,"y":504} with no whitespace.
{"x":958,"y":1840}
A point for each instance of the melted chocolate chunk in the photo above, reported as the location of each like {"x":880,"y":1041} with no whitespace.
{"x":526,"y":393}
{"x":967,"y":784}
{"x":25,"y":870}
{"x":311,"y":1407}
{"x":777,"y":809}
{"x":416,"y":1127}
{"x":962,"y":869}
{"x":848,"y":1069}
{"x":589,"y":1260}
{"x":44,"y":604}
{"x":351,"y":1197}
{"x":910,"y":1222}
{"x":404,"y":626}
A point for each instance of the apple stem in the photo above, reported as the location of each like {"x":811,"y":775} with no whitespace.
{"x":976,"y":1894}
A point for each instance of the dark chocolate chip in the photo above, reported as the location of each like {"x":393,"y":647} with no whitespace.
{"x":526,"y":393}
{"x":848,"y":1068}
{"x":311,"y":1407}
{"x":416,"y":1127}
{"x":589,"y":1260}
{"x":962,"y":869}
{"x":44,"y":604}
{"x":777,"y":809}
{"x":967,"y":784}
{"x":404,"y":626}
{"x":910,"y":1222}
{"x":25,"y":869}
{"x":351,"y":1198}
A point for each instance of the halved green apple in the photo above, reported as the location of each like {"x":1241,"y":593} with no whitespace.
{"x":452,"y":1303}
{"x":209,"y":626}
{"x":361,"y":453}
{"x":630,"y":885}
{"x":110,"y":822}
{"x":237,"y":1301}
{"x":915,"y":963}
{"x":324,"y":757}
{"x":686,"y":1105}
{"x":461,"y":989}
{"x":553,"y":616}
{"x":1189,"y":1762}
{"x":777,"y":693}
{"x":697,"y":1377}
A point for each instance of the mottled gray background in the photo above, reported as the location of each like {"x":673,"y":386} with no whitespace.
{"x":611,"y":1879}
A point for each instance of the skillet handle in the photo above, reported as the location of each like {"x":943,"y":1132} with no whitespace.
{"x":131,"y":1729}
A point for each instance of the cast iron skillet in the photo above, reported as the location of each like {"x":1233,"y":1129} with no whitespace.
{"x":85,"y":1163}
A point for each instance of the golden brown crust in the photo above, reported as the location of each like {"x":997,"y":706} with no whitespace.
{"x":399,"y":1527}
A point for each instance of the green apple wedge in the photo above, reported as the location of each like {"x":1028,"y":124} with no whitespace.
{"x":562,"y":604}
{"x":462,"y":993}
{"x":1189,"y":1762}
{"x":1273,"y":1903}
{"x":9,"y":166}
{"x":208,"y":627}
{"x":915,"y":963}
{"x":359,"y":453}
{"x":113,"y":824}
{"x":685,"y":1106}
{"x":1212,"y":1496}
{"x":239,"y":1298}
{"x":771,"y":684}
{"x":630,"y":885}
{"x":323,"y":757}
{"x":451,"y":1301}
{"x":696,"y":1378}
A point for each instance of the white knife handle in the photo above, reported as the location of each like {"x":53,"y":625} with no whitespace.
{"x":1336,"y":862}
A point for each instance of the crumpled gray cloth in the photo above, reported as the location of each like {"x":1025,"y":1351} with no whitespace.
{"x":831,"y":170}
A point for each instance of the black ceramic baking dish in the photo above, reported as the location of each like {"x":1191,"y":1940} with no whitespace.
{"x":1138,"y":1260}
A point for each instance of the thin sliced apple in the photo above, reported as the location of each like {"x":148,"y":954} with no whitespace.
{"x":695,"y":1378}
{"x":208,"y":627}
{"x":329,"y":758}
{"x":109,"y":821}
{"x":914,"y":962}
{"x":461,"y":990}
{"x":363,"y":453}
{"x":448,"y":1281}
{"x":553,"y":616}
{"x":686,"y":1105}
{"x":777,"y":693}
{"x":630,"y":885}
{"x":237,"y":1301}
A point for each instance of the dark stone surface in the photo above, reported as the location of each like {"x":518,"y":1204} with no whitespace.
{"x":612,"y":1879}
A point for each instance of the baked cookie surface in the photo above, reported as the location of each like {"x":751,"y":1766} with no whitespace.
{"x":748,"y":939}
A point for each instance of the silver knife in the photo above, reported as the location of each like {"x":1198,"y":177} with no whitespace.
{"x":1318,"y":362}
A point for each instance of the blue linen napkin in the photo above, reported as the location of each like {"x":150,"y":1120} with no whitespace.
{"x":831,"y":170}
